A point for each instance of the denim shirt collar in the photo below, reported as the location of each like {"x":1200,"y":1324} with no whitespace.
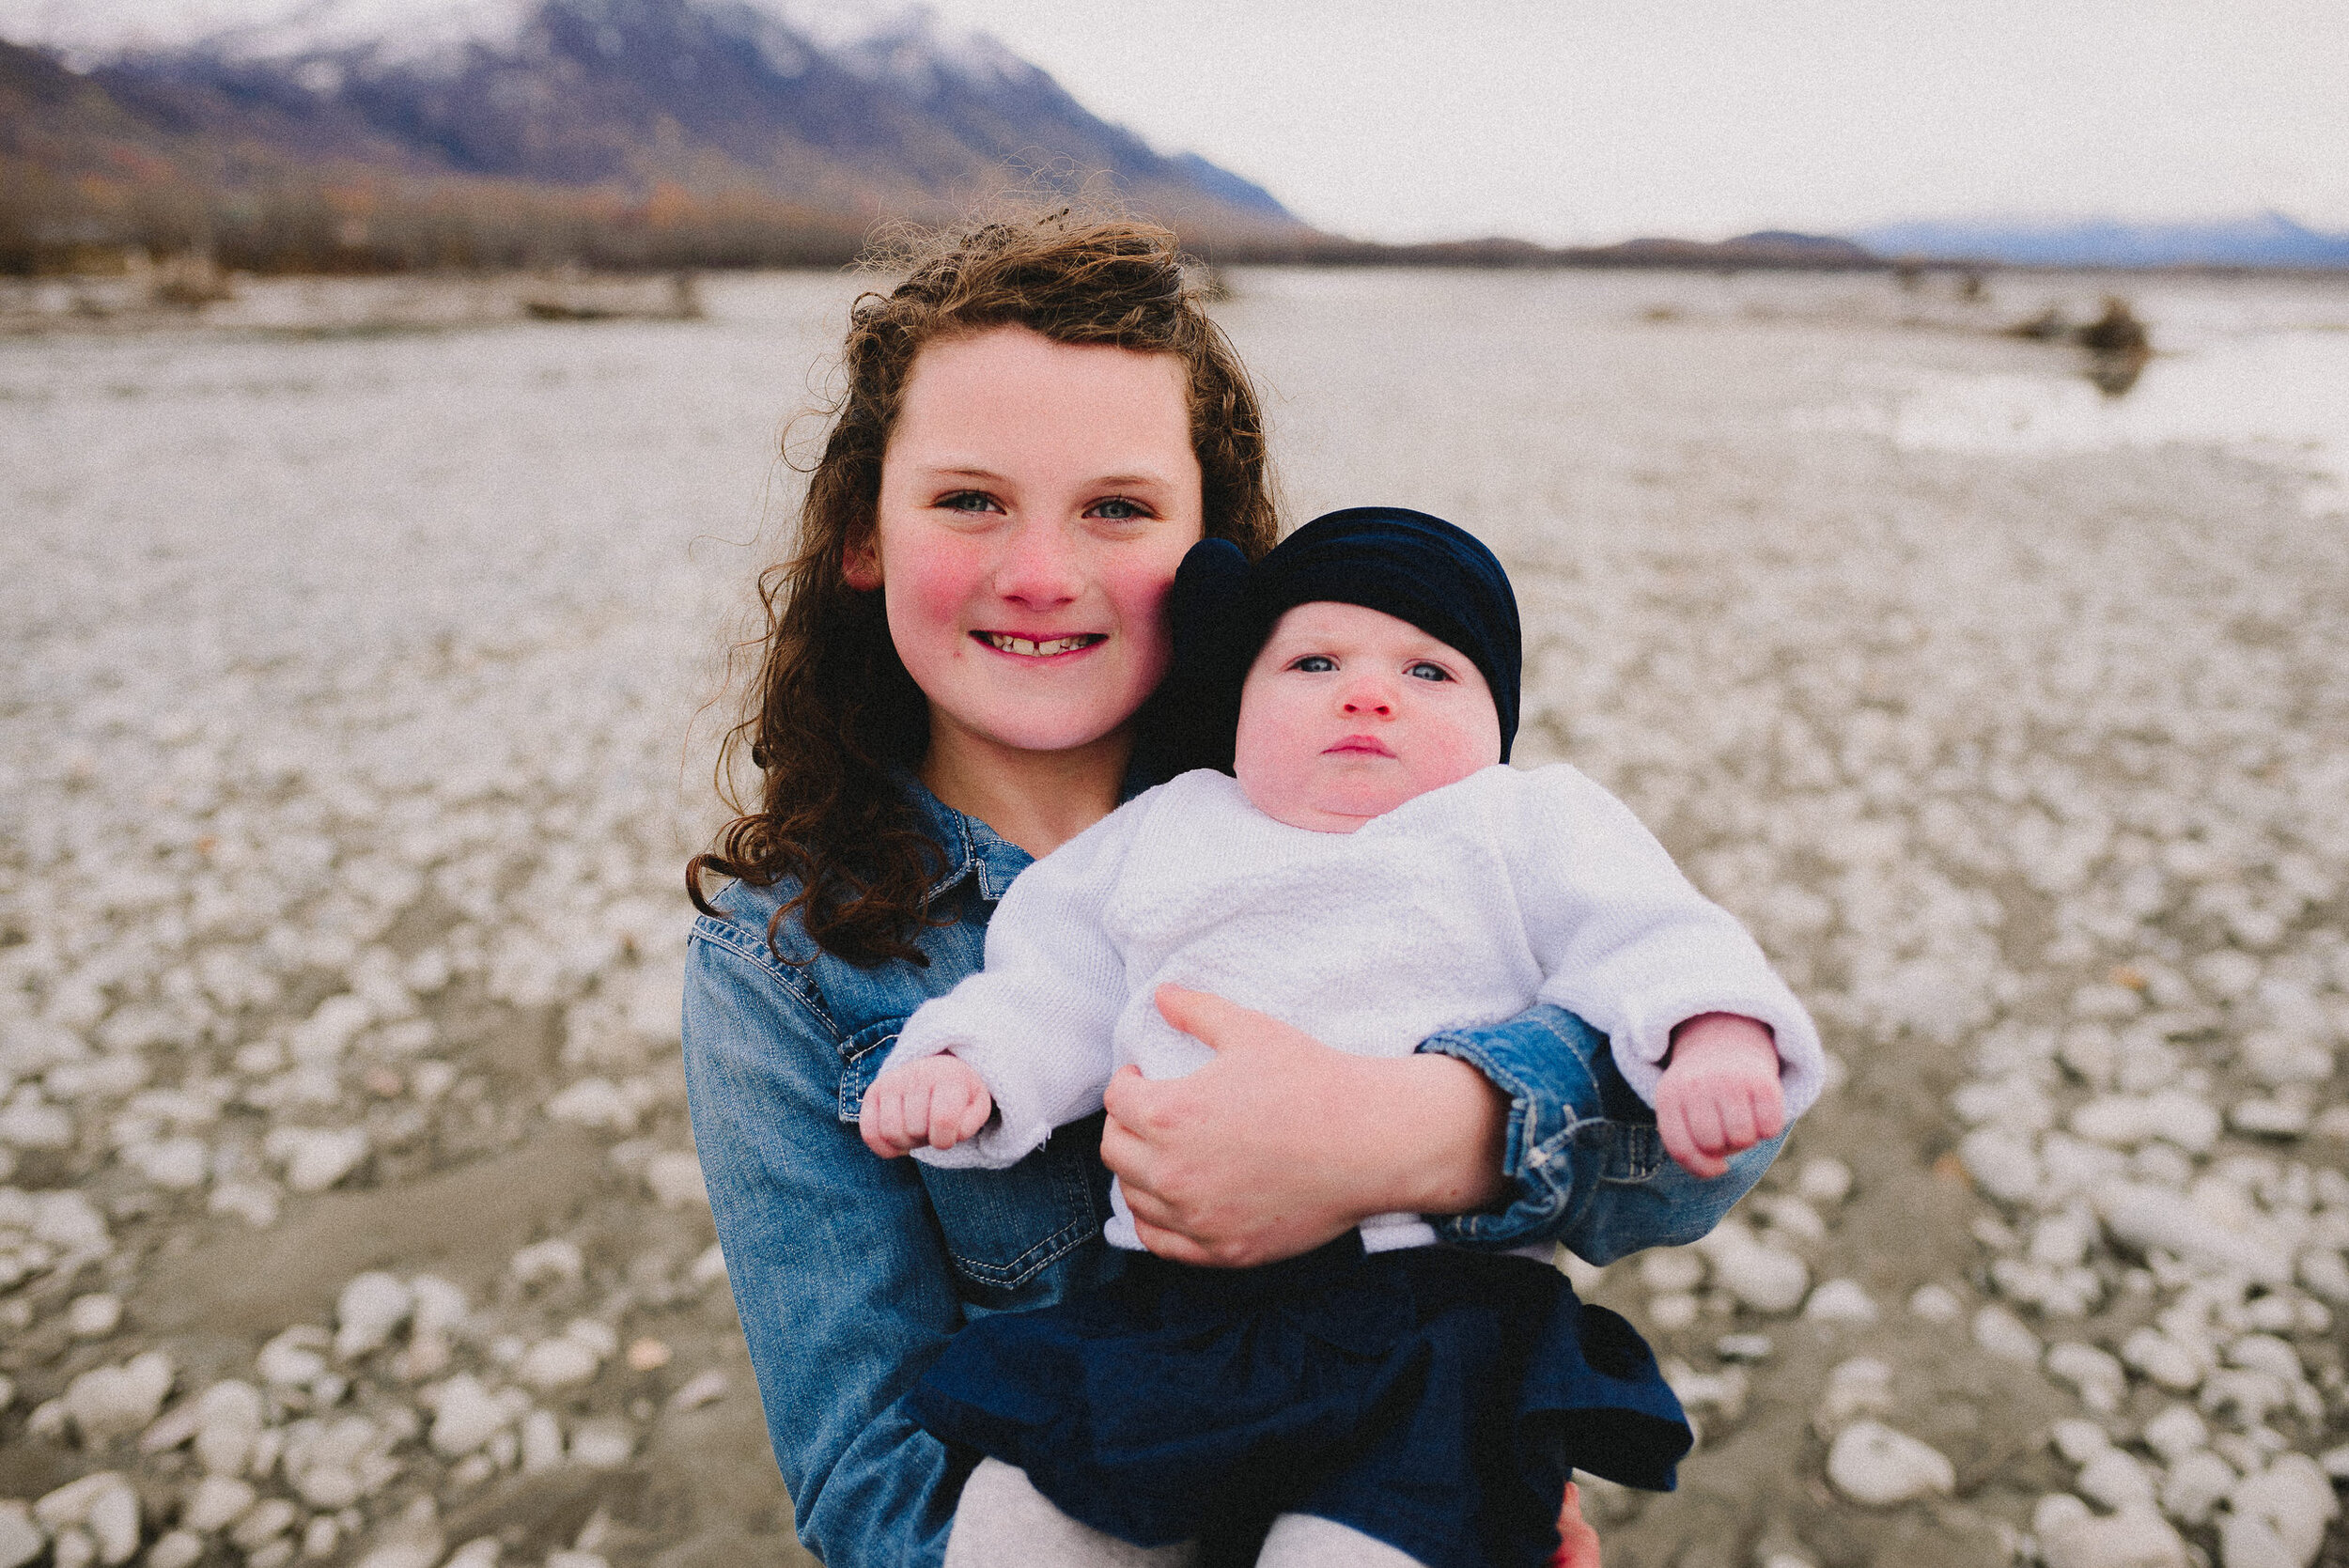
{"x":971,"y":846}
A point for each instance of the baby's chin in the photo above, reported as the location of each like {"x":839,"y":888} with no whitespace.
{"x":1338,"y":810}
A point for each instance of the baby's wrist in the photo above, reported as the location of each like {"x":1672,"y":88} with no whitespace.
{"x":1722,"y":1037}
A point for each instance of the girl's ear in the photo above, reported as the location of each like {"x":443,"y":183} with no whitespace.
{"x":860,"y":565}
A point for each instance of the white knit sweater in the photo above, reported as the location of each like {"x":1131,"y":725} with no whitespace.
{"x":1459,"y":909}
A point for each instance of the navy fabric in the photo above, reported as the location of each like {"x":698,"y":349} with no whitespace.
{"x":1434,"y":1398}
{"x":1408,"y":565}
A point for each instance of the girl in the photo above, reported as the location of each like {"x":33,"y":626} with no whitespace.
{"x":1037,"y":424}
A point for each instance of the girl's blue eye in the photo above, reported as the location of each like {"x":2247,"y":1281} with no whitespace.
{"x":1424,"y":671}
{"x":1118,"y":509}
{"x":1315,"y":665}
{"x":967,"y":501}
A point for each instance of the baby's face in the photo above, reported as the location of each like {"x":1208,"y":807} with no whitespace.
{"x":1349,"y":712}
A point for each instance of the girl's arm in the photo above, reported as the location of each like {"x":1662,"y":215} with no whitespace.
{"x":833,"y":1255}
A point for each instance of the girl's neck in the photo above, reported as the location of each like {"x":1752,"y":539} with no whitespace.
{"x":1039,"y":800}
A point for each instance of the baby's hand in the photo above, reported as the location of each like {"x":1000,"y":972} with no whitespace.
{"x":934,"y":1103}
{"x":1720,"y":1091}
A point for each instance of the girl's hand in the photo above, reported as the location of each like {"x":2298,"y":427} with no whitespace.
{"x":934,"y":1103}
{"x":1720,"y":1094}
{"x":1282,"y":1143}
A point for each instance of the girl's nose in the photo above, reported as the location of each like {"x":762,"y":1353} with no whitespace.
{"x":1038,"y":567}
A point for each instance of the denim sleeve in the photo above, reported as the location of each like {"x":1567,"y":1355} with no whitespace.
{"x":834,"y":1259}
{"x":1584,"y":1162}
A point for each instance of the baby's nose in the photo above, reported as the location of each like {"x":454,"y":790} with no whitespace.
{"x":1370,"y":699}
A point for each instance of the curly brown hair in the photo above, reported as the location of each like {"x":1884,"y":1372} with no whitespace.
{"x":832,"y":709}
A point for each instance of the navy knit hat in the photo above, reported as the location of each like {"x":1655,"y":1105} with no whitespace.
{"x":1408,"y":564}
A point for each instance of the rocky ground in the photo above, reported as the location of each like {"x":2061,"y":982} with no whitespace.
{"x":348,"y":1210}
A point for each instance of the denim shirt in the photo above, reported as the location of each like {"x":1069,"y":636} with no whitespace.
{"x":849,"y":1272}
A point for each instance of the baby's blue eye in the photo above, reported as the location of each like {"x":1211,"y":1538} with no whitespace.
{"x":1315,"y":665}
{"x":1424,"y":671}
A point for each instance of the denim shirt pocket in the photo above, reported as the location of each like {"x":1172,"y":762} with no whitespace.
{"x":1002,"y":1228}
{"x":860,"y":1058}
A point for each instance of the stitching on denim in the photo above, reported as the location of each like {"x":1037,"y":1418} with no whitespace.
{"x":759,"y":957}
{"x":1018,"y":1271}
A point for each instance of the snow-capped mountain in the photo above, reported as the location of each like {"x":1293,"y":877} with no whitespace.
{"x":856,"y":111}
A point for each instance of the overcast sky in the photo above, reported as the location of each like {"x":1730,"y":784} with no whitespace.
{"x":1569,"y":121}
{"x":1594,"y":120}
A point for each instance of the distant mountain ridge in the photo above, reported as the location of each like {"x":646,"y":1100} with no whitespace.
{"x":2267,"y":240}
{"x":720,"y":114}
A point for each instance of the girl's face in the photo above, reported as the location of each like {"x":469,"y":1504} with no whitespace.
{"x":1035,"y":498}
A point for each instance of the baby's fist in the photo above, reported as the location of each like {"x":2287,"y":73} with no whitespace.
{"x":1720,"y":1093}
{"x":934,"y":1103}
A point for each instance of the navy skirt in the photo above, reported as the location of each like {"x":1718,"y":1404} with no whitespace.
{"x":1435,"y":1398}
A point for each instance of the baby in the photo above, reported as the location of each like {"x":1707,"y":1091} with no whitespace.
{"x":1371,"y":874}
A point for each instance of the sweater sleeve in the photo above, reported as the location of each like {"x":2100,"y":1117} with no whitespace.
{"x":1038,"y":1020}
{"x":1627,"y":942}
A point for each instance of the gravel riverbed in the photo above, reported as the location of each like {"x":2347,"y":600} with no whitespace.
{"x":353,"y":731}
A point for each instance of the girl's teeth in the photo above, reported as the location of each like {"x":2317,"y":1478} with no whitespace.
{"x":1037,"y":650}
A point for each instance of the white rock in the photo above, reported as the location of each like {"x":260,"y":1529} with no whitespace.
{"x":2276,"y":1057}
{"x":177,"y":1549}
{"x":466,"y":1416}
{"x":2170,"y":1362}
{"x":2099,"y":1378}
{"x":676,"y":1180}
{"x":1840,"y":1301}
{"x":1673,"y":1312}
{"x":173,"y":1164}
{"x":371,"y":1308}
{"x":2265,"y":1353}
{"x":480,"y":1552}
{"x":20,"y":1540}
{"x":704,"y":1388}
{"x":217,"y":1502}
{"x":542,"y":1442}
{"x":2176,"y":1432}
{"x":1760,"y":1275}
{"x":594,"y":1102}
{"x":599,"y":1337}
{"x":2117,"y":1480}
{"x":2005,"y":1336}
{"x":544,"y":1261}
{"x":2286,"y":1506}
{"x":2196,"y":1482}
{"x":411,"y":1541}
{"x":93,"y":1318}
{"x":2148,"y":1217}
{"x":232,"y":1414}
{"x":1878,"y":1467}
{"x":316,"y":1158}
{"x":2079,"y":1440}
{"x":1671,"y":1270}
{"x":320,"y":1536}
{"x":2126,"y":1121}
{"x":603,"y":1444}
{"x":2133,"y":1540}
{"x":576,"y":1560}
{"x":109,"y":1401}
{"x":70,"y":1505}
{"x":113,"y":1524}
{"x":262,"y":1524}
{"x":1743,"y":1347}
{"x":710,"y":1268}
{"x":73,"y":1548}
{"x":1824,"y":1179}
{"x":295,"y":1357}
{"x":2326,"y":1272}
{"x":2002,"y":1163}
{"x":1938,"y":1304}
{"x":557,"y":1363}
